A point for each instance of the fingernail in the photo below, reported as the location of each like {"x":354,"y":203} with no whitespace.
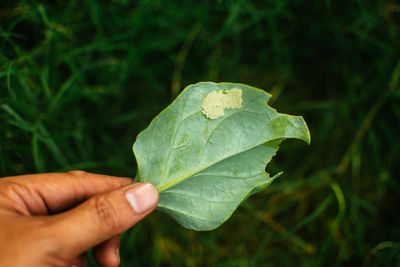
{"x":117,"y":254}
{"x":142,"y":197}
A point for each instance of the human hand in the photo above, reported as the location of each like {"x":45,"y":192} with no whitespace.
{"x":52,"y":219}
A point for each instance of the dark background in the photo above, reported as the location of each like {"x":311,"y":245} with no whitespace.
{"x":80,"y":79}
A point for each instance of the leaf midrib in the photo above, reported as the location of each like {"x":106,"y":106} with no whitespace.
{"x":190,"y":174}
{"x":176,"y":126}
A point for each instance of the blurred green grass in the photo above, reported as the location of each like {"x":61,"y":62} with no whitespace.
{"x":80,"y":79}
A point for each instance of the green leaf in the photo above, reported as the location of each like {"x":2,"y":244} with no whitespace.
{"x":204,"y":168}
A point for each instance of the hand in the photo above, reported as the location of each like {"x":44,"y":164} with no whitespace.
{"x":52,"y":219}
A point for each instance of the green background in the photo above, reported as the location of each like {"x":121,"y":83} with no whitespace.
{"x":80,"y":79}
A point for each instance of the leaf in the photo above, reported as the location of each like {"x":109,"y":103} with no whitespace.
{"x":204,"y":168}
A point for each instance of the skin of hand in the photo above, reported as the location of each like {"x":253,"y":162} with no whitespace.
{"x":52,"y":219}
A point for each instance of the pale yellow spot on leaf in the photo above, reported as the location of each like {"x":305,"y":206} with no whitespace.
{"x":216,"y":102}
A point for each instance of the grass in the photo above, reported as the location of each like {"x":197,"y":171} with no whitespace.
{"x":80,"y":79}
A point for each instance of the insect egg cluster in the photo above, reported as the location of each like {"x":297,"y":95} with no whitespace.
{"x":215,"y":103}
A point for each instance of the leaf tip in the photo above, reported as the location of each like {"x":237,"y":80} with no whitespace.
{"x":307,"y":134}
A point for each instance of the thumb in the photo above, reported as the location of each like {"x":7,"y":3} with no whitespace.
{"x":102,"y":217}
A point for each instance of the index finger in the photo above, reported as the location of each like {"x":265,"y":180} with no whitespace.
{"x":60,"y":191}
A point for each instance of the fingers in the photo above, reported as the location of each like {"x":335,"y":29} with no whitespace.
{"x":102,"y":217}
{"x":107,"y":253}
{"x":59,"y":191}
